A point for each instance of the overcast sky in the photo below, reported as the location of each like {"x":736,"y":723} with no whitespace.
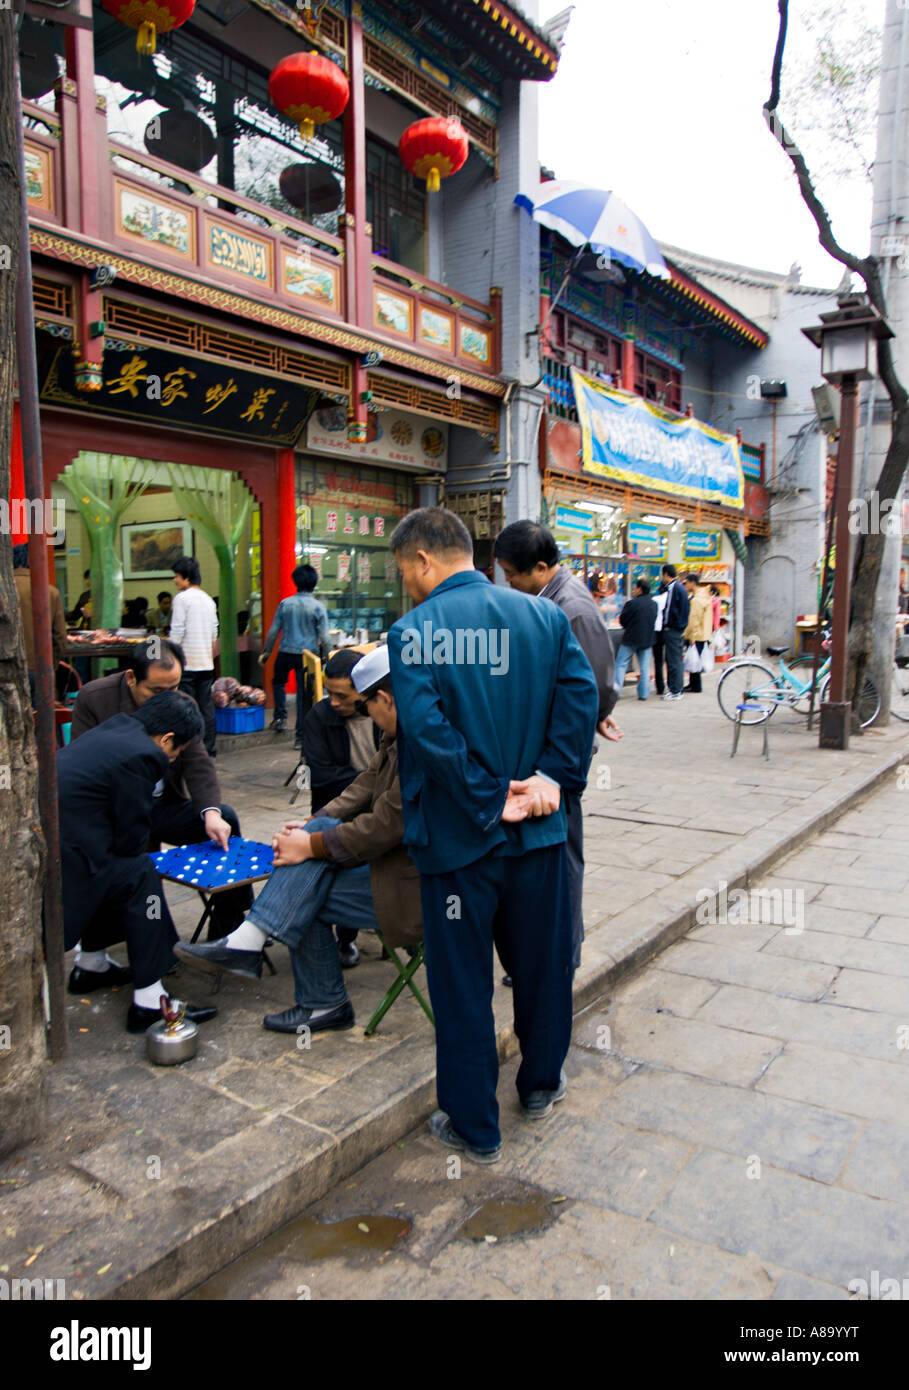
{"x":661,"y":101}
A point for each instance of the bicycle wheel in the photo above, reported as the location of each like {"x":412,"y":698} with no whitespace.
{"x":899,"y":692}
{"x":747,"y":682}
{"x":801,"y":668}
{"x":869,"y":703}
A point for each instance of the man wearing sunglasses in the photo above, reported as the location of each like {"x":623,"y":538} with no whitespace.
{"x":348,"y":864}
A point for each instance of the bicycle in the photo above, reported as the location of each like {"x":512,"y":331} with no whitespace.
{"x":755,"y":683}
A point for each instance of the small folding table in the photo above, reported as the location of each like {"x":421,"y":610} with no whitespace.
{"x":211,"y":870}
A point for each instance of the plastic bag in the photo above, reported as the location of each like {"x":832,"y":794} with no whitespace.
{"x":708,"y":657}
{"x":692,"y":662}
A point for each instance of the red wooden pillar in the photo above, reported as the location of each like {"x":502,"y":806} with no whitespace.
{"x":279,"y":518}
{"x":80,"y":69}
{"x":357,"y":232}
{"x":628,"y":364}
{"x":16,"y":481}
{"x":287,"y":520}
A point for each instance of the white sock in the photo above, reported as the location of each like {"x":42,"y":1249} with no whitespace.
{"x":149,"y":997}
{"x":95,"y":961}
{"x":246,"y":937}
{"x":317,"y":1013}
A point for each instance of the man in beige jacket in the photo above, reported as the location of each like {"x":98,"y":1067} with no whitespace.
{"x":700,"y":624}
{"x":348,"y":864}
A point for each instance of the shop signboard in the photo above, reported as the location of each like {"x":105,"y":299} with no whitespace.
{"x":632,"y":441}
{"x":702,"y":545}
{"x":161,"y":387}
{"x":645,"y":538}
{"x":411,"y":441}
{"x":571,"y":519}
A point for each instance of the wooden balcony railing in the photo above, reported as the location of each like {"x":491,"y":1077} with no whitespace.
{"x":157,"y":210}
{"x":434,"y":318}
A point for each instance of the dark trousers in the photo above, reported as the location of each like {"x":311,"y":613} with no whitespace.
{"x":177,"y":822}
{"x":285,"y":662}
{"x":694,"y":677}
{"x":522,"y":906}
{"x":672,"y":641}
{"x":574,"y":853}
{"x":198,"y":684}
{"x":134,"y":910}
{"x":659,"y":658}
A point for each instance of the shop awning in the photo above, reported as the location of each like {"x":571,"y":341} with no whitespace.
{"x":629,"y":440}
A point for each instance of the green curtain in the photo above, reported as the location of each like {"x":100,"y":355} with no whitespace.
{"x":217,"y":503}
{"x":103,"y":486}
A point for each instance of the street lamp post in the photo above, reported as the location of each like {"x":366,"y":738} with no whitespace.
{"x":847,"y":337}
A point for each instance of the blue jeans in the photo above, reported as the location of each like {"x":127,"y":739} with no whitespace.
{"x":297,"y":907}
{"x":623,"y":661}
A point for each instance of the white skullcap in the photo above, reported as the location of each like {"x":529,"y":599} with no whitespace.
{"x":371,"y":669}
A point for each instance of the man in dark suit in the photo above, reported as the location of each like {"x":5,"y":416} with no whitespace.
{"x":190,"y":809}
{"x":107,"y":785}
{"x":496,"y":706}
{"x":675,"y":620}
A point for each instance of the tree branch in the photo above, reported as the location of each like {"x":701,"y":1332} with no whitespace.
{"x":869,"y":550}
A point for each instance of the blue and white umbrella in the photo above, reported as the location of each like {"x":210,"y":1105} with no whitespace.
{"x":596,"y":217}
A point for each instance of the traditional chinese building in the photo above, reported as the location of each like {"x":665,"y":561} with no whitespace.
{"x":219,"y":287}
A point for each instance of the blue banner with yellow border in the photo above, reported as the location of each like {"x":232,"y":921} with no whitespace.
{"x":634,"y":442}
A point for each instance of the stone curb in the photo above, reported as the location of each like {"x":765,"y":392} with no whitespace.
{"x":209,"y":1242}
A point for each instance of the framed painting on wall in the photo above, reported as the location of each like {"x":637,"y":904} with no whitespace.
{"x":151,"y":547}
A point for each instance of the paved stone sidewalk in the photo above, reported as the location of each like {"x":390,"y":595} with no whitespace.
{"x":148,"y":1179}
{"x":736,"y":1125}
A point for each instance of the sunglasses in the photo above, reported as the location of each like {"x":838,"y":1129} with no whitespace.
{"x":362,"y":706}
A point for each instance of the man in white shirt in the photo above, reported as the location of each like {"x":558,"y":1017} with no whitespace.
{"x":194,"y":627}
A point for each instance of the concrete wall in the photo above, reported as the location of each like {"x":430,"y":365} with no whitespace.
{"x":488,"y":242}
{"x":782,"y":575}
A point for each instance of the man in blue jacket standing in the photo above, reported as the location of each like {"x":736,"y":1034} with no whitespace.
{"x":497,"y":706}
{"x":300,"y":625}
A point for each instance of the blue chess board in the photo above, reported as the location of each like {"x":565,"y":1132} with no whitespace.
{"x":209,"y":868}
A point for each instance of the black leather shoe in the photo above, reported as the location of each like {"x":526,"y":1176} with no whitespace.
{"x":84,"y":981}
{"x":293,"y":1019}
{"x":139,"y":1020}
{"x":348,"y":955}
{"x":214,"y":957}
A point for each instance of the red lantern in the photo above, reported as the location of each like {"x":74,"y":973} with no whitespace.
{"x":150,"y":18}
{"x":310,"y":89}
{"x":434,"y":149}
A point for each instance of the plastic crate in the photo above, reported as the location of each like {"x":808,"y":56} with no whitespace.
{"x":237,"y":720}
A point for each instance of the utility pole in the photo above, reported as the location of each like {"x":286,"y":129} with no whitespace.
{"x":890,"y":242}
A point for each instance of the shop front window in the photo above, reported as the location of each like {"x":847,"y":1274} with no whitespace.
{"x":349,"y":515}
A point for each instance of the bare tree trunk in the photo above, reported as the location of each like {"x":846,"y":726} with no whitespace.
{"x":22,"y":1042}
{"x":869,"y":550}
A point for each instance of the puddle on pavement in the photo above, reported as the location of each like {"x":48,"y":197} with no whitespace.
{"x":500,"y":1217}
{"x":302,"y":1242}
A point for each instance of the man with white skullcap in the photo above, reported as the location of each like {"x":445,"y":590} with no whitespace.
{"x":348,"y":864}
